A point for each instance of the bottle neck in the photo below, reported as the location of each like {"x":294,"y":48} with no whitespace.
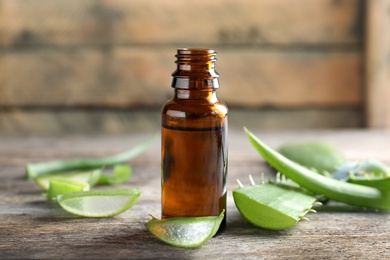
{"x":208,"y":94}
{"x":195,"y":69}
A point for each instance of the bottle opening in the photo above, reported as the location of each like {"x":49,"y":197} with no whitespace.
{"x":195,"y":69}
{"x":196,"y":55}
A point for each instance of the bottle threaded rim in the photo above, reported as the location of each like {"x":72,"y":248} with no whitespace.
{"x":185,"y":55}
{"x":195,"y":69}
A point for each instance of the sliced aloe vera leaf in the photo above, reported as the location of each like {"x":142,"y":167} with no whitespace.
{"x":187,"y":232}
{"x":321,"y":156}
{"x":99,"y":203}
{"x":90,"y":177}
{"x":273,"y":205}
{"x":120,"y":174}
{"x":43,"y":168}
{"x":59,"y":187}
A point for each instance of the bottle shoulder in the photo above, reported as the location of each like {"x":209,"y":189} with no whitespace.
{"x":194,"y":115}
{"x":195,"y":106}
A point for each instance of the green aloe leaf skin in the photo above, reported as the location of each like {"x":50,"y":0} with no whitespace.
{"x":42,"y":168}
{"x":273,"y":206}
{"x":349,"y":193}
{"x":120,"y":175}
{"x":327,"y":160}
{"x":321,"y":156}
{"x":90,"y":177}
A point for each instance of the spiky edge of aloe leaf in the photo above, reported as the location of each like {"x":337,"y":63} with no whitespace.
{"x":352,"y":194}
{"x":289,"y":186}
{"x":282,"y":181}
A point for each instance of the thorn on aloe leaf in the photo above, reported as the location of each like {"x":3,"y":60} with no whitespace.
{"x":304,"y":218}
{"x":312,"y":210}
{"x":262,"y":178}
{"x":261,"y":206}
{"x":240,"y":183}
{"x":251,"y":180}
{"x":153,"y":217}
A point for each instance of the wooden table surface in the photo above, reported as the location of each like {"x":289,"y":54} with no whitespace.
{"x":32,"y":227}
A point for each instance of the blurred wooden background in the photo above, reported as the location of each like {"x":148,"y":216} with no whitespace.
{"x":105,"y":65}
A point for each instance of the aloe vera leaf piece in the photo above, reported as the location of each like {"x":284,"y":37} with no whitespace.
{"x":318,"y":155}
{"x":120,"y":175}
{"x":374,"y":168}
{"x":99,"y":203}
{"x":43,"y":168}
{"x":90,"y":177}
{"x":371,"y":168}
{"x":187,"y":232}
{"x":377,"y":182}
{"x":353,"y":194}
{"x":323,"y":157}
{"x":59,"y":187}
{"x":272,"y":205}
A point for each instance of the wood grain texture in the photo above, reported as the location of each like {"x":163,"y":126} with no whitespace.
{"x":378,"y":64}
{"x":125,"y":77}
{"x":34,"y":228}
{"x":119,"y":54}
{"x":92,"y":22}
{"x":112,"y":121}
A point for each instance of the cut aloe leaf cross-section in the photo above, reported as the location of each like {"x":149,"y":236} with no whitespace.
{"x":188,"y":232}
{"x":120,"y":174}
{"x":90,"y":177}
{"x":99,"y":203}
{"x":59,"y":187}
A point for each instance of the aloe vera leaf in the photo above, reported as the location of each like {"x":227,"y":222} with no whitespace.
{"x":353,"y":194}
{"x":187,"y":232}
{"x":90,"y":177}
{"x":371,"y":168}
{"x":318,"y":155}
{"x":376,"y":182}
{"x":374,"y":168}
{"x":120,"y":175}
{"x":59,"y":187}
{"x":273,"y":206}
{"x":35,"y":169}
{"x":370,"y":173}
{"x":323,"y":157}
{"x":99,"y":203}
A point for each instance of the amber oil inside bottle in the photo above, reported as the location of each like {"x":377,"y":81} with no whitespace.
{"x":194,"y":140}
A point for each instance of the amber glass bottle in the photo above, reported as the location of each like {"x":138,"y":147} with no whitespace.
{"x":194,"y":139}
